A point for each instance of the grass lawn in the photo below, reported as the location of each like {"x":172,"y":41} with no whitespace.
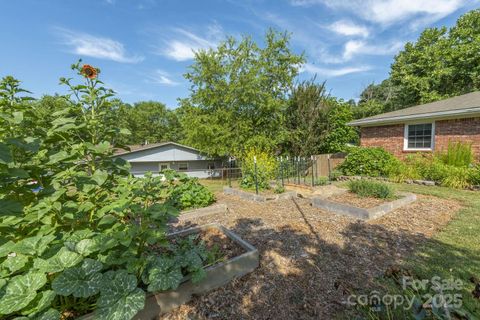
{"x":217,"y":185}
{"x":454,"y":252}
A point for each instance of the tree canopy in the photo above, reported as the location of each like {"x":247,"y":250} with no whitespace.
{"x":442,"y":63}
{"x":239,"y":92}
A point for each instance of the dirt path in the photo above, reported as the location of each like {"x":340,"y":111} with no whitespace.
{"x":310,"y":260}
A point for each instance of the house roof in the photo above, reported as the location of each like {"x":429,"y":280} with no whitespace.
{"x":456,"y":107}
{"x":142,"y":147}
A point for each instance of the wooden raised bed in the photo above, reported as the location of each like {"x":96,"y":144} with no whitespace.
{"x":217,"y":276}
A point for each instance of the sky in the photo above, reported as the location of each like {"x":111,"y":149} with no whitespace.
{"x":144,"y":47}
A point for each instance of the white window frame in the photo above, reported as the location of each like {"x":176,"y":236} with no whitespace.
{"x":405,"y":137}
{"x":160,"y":164}
{"x":186,"y":165}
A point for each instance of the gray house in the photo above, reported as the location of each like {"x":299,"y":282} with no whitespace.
{"x":156,"y":157}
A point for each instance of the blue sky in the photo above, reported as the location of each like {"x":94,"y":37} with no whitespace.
{"x":144,"y":47}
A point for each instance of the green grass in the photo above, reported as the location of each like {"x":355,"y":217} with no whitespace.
{"x":453,"y":252}
{"x":216,"y":186}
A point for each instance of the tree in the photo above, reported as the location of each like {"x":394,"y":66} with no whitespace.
{"x":239,"y":95}
{"x":306,"y":117}
{"x":148,"y":121}
{"x":317,"y":122}
{"x":442,"y":63}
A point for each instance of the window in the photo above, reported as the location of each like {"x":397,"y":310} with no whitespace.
{"x":211,"y":166}
{"x":419,"y":136}
{"x":163,"y":165}
{"x":182,"y":166}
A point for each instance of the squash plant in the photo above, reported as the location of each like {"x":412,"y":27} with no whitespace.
{"x":79,"y":233}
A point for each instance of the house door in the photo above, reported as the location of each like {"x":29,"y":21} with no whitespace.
{"x":163,"y":165}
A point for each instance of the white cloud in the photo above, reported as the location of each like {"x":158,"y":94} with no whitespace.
{"x":357,"y":47}
{"x":161,"y":77}
{"x":310,"y":68}
{"x":386,"y":12}
{"x":85,"y":44}
{"x":348,"y":28}
{"x":183,"y":44}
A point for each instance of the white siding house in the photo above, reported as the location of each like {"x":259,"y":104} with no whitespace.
{"x":156,"y":157}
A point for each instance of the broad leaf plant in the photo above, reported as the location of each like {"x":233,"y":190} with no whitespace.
{"x":79,"y":234}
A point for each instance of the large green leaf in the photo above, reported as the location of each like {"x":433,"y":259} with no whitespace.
{"x":100,"y":176}
{"x":5,"y":154}
{"x":120,"y":299}
{"x":42,"y":301}
{"x":83,"y":281}
{"x":15,"y":262}
{"x":62,"y":260}
{"x":163,"y":274}
{"x":87,"y":246}
{"x":6,"y":248}
{"x":8,"y":207}
{"x":20,"y":291}
{"x":33,"y":245}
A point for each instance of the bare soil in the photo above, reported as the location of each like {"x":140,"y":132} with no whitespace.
{"x":353,"y":199}
{"x":311,"y":260}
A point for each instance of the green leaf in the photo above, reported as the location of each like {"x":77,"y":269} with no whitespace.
{"x":62,"y":260}
{"x":10,"y":207}
{"x":15,"y":262}
{"x":41,"y":302}
{"x":17,"y":117}
{"x":50,"y":314}
{"x":33,"y":245}
{"x":20,"y":291}
{"x":100,"y":176}
{"x":86,"y":247}
{"x":83,"y":281}
{"x":57,"y":157}
{"x":6,"y":248}
{"x":164,"y":274}
{"x":120,"y":299}
{"x":102,"y":147}
{"x":5,"y":154}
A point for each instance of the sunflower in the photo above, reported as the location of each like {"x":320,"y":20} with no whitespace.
{"x":89,"y":72}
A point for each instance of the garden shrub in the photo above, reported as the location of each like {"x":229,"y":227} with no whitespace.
{"x":367,"y":188}
{"x":266,"y":168}
{"x":474,"y":175}
{"x":187,"y":192}
{"x":322,"y":181}
{"x":372,"y":162}
{"x":458,"y":154}
{"x":79,"y":232}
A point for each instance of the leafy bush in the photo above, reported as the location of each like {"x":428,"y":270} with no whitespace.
{"x":458,"y":154}
{"x":372,"y":162}
{"x":279,"y":189}
{"x":322,"y":181}
{"x":335,"y":174}
{"x":366,"y":188}
{"x":79,"y":233}
{"x":266,"y":168}
{"x":456,"y":177}
{"x":187,"y":192}
{"x":474,"y":175}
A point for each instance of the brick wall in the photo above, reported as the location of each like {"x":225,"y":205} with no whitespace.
{"x":388,"y":137}
{"x":391,"y":137}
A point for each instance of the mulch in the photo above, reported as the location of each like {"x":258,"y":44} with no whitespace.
{"x":311,"y":260}
{"x":353,"y":199}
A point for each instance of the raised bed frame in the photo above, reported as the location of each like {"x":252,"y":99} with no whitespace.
{"x":217,"y":276}
{"x":364,"y":213}
{"x":258,"y":197}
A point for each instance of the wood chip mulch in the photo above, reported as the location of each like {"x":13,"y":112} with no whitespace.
{"x":352,"y":199}
{"x":311,"y":260}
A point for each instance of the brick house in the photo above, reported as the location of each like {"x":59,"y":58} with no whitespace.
{"x":424,"y":128}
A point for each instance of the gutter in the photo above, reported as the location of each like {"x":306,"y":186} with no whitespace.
{"x":432,"y":115}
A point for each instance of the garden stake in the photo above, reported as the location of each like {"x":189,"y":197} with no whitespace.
{"x":256,"y":180}
{"x":281,"y":170}
{"x":313,"y":180}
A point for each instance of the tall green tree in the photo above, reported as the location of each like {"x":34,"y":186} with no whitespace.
{"x":148,"y":121}
{"x":442,"y":63}
{"x":239,"y":93}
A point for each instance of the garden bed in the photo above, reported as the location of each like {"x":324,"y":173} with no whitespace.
{"x":238,"y":258}
{"x":362,"y":208}
{"x":261,"y":197}
{"x":352,"y":199}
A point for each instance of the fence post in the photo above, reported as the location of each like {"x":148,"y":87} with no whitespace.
{"x":316,"y":168}
{"x":256,"y":180}
{"x":281,"y":170}
{"x":329,"y":168}
{"x":288,"y":171}
{"x":313,"y":177}
{"x":298,"y":169}
{"x":229,"y":172}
